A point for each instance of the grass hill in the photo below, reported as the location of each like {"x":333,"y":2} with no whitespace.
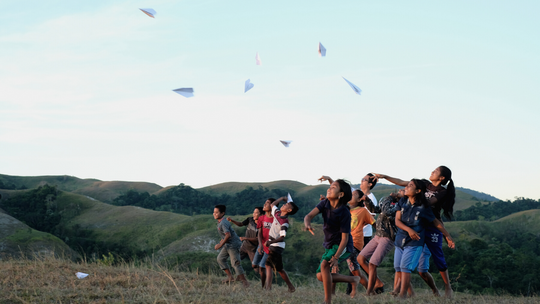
{"x":18,"y":240}
{"x":53,"y":280}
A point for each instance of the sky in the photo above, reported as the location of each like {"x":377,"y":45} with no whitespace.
{"x":86,"y":90}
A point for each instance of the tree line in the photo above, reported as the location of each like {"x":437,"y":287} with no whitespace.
{"x":492,"y":211}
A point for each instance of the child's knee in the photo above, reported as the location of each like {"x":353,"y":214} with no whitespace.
{"x":319,"y":276}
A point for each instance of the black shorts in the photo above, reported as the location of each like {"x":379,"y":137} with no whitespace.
{"x":274,"y":258}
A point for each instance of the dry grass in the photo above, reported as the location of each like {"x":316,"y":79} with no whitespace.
{"x":50,"y":280}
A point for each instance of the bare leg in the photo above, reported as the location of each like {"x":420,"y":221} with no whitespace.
{"x":262,"y":271}
{"x":326,"y":278}
{"x":230,"y":278}
{"x":363,"y":279}
{"x":285,"y":278}
{"x":269,"y":278}
{"x":426,"y":276}
{"x":448,"y":292}
{"x":397,"y":284}
{"x":405,"y":284}
{"x":372,"y":279}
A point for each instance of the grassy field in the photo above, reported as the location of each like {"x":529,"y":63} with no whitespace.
{"x":52,"y":280}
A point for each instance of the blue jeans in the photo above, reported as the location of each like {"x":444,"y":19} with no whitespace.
{"x":234,"y":253}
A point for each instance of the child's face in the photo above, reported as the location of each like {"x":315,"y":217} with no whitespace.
{"x":267,"y":205}
{"x":365,"y":184}
{"x":355,"y":199}
{"x":410,"y":189}
{"x":217,"y":214}
{"x":333,"y":192}
{"x":286,"y":208}
{"x":256,"y":214}
{"x":436,"y":175}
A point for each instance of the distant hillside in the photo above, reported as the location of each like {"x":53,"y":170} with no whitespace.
{"x":17,"y":239}
{"x":100,"y":190}
{"x":479,"y":195}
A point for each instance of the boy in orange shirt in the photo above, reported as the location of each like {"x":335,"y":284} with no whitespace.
{"x":360,"y":217}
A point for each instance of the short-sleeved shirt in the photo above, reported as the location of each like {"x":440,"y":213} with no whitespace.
{"x":438,"y":192}
{"x":415,"y":217}
{"x":386,"y":222}
{"x":368,"y":230}
{"x":336,"y":222}
{"x":279,"y":227}
{"x":360,"y":216}
{"x":265,"y":223}
{"x":251,"y":232}
{"x":225,"y":227}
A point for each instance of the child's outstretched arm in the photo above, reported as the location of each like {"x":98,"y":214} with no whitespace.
{"x":239,"y":224}
{"x":281,"y":199}
{"x":326,"y":178}
{"x":440,"y":226}
{"x":393,"y":180}
{"x":308,"y":218}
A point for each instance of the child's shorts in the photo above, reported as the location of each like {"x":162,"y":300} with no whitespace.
{"x":423,"y":263}
{"x":354,"y":259}
{"x":377,"y":249}
{"x":275,"y":258}
{"x":260,"y":259}
{"x":406,"y":259}
{"x":329,"y":253}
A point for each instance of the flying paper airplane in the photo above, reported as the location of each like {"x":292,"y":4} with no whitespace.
{"x":289,"y":198}
{"x":150,"y":12}
{"x":286,"y":143}
{"x":355,"y":88}
{"x":258,"y":59}
{"x":81,"y":275}
{"x":322,"y":50}
{"x":248,"y":86}
{"x":186,"y":92}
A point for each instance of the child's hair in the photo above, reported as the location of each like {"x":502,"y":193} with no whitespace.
{"x":372,"y":180}
{"x":450,"y":198}
{"x":420,"y":198}
{"x":271,"y":200}
{"x":344,"y":187}
{"x":260,"y":209}
{"x":221,"y":208}
{"x":294,"y":209}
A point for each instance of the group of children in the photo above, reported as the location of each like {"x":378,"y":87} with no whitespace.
{"x":409,"y":221}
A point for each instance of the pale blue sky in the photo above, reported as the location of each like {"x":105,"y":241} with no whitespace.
{"x":86,"y":90}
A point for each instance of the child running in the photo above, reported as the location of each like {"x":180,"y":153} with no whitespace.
{"x":338,"y":242}
{"x":360,"y":217}
{"x":382,"y":243}
{"x":276,"y":241}
{"x":230,"y":247}
{"x":250,"y":241}
{"x":439,"y":198}
{"x":411,"y":219}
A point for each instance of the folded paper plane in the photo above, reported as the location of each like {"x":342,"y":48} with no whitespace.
{"x":355,"y":88}
{"x":81,"y":275}
{"x":289,"y":198}
{"x":186,"y":92}
{"x":286,"y":143}
{"x":322,"y":50}
{"x":248,"y":86}
{"x":150,"y":12}
{"x":258,"y":59}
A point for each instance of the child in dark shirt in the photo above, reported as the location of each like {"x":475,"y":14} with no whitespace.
{"x":413,"y":216}
{"x":338,"y":242}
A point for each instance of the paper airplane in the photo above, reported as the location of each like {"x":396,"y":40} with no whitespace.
{"x":286,"y":143}
{"x":150,"y":12}
{"x":289,"y":198}
{"x":186,"y":92}
{"x":81,"y":275}
{"x":322,"y":50}
{"x":248,"y":86}
{"x":258,"y":59}
{"x":355,"y":88}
